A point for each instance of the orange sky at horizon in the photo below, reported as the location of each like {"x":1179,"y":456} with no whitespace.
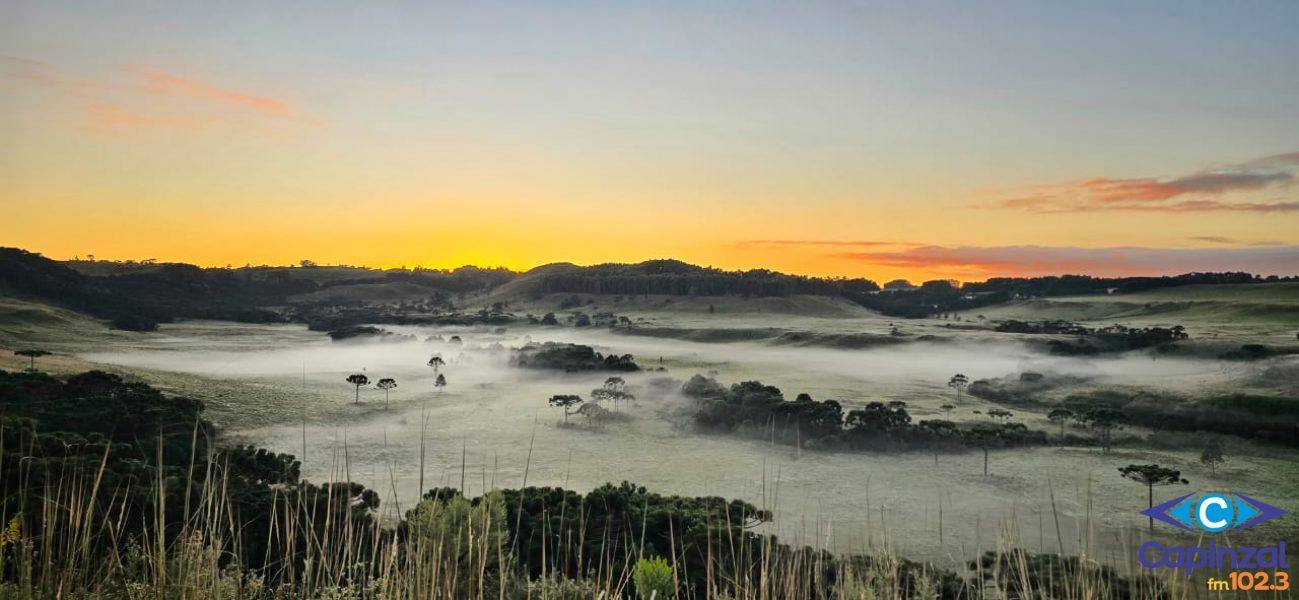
{"x":827,"y":140}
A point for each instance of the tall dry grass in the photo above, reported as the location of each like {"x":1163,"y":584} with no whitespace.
{"x":75,"y":542}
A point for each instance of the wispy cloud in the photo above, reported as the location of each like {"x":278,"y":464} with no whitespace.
{"x":160,"y":83}
{"x":139,"y":98}
{"x":1201,"y":191}
{"x":835,"y":243}
{"x":1004,"y":261}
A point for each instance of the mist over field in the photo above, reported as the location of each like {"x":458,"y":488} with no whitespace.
{"x":491,"y":424}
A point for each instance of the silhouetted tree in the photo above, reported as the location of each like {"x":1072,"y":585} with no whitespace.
{"x":1212,"y":455}
{"x":1151,"y":476}
{"x":436,"y":362}
{"x":33,"y":354}
{"x":958,"y":383}
{"x":1104,"y":421}
{"x":983,"y":438}
{"x":565,"y":401}
{"x":358,"y":380}
{"x":386,"y":384}
{"x":947,"y":410}
{"x":998,"y":414}
{"x":1060,"y":416}
{"x":613,"y":390}
{"x":440,"y":382}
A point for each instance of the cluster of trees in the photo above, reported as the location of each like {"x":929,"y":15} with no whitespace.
{"x":1078,"y":285}
{"x":676,"y":278}
{"x":140,"y":298}
{"x":1056,"y":327}
{"x":582,"y":319}
{"x":930,"y":298}
{"x":570,"y":358}
{"x":1251,"y":352}
{"x":614,"y":391}
{"x":901,"y":299}
{"x":1114,"y":338}
{"x":387,"y":384}
{"x":1272,"y":419}
{"x":335,"y":317}
{"x":753,"y":409}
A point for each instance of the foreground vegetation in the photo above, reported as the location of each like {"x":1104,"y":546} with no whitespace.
{"x":110,"y":488}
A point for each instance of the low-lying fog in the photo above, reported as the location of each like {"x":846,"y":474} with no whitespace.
{"x":491,"y":417}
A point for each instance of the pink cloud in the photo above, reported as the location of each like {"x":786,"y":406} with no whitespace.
{"x":119,"y":105}
{"x":166,"y":84}
{"x":1006,"y":261}
{"x":1196,"y":192}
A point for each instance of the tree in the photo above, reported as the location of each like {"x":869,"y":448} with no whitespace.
{"x":958,"y":383}
{"x":1060,"y":416}
{"x":613,"y":390}
{"x":1151,"y":476}
{"x":984,"y":437}
{"x":594,"y":413}
{"x":999,"y":414}
{"x":436,"y":362}
{"x":33,"y":354}
{"x":386,"y":384}
{"x":549,"y":319}
{"x":358,"y":380}
{"x":947,"y":410}
{"x":1104,"y":421}
{"x":565,"y":401}
{"x":1212,"y":455}
{"x":877,"y":417}
{"x":440,"y":382}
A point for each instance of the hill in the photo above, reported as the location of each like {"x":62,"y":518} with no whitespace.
{"x":138,"y":295}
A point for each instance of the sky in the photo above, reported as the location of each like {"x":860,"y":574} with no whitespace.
{"x":907,"y":139}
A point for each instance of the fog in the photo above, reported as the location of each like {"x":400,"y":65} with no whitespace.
{"x":491,"y":425}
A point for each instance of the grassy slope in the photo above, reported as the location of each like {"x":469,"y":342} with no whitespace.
{"x":1262,"y":313}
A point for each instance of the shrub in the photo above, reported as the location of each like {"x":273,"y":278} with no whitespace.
{"x":653,"y":577}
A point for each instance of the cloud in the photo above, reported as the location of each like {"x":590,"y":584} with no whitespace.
{"x":141,"y":99}
{"x":1196,"y":192}
{"x":166,"y":84}
{"x":848,"y":243}
{"x":1008,"y":261}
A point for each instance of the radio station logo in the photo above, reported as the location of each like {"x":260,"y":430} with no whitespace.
{"x":1262,"y":568}
{"x":1213,"y":512}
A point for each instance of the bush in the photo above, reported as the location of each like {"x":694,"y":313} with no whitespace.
{"x":653,"y":578}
